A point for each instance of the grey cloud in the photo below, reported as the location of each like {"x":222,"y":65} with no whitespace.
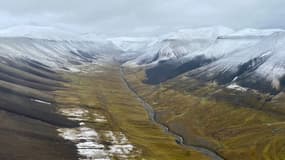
{"x":144,"y":16}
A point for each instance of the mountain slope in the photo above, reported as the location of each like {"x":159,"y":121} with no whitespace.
{"x":31,"y":73}
{"x":58,"y":54}
{"x":178,"y":44}
{"x":259,"y":66}
{"x":250,"y":58}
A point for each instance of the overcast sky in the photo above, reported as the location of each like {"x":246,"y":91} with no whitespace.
{"x":139,"y":17}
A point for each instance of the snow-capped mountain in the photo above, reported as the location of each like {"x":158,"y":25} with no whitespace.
{"x":261,"y":64}
{"x":52,"y":46}
{"x":250,"y":57}
{"x":178,"y":44}
{"x":58,"y":54}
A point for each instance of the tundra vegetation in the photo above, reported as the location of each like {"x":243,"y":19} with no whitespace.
{"x":234,"y":123}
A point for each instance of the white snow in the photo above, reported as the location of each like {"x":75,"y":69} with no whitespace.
{"x":99,"y":118}
{"x":236,"y":77}
{"x":121,"y":145}
{"x":237,"y":87}
{"x":78,"y":114}
{"x":88,"y":140}
{"x":41,"y":101}
{"x":121,"y":149}
{"x":73,"y":69}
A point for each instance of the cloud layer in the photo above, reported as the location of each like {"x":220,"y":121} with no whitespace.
{"x":142,"y":17}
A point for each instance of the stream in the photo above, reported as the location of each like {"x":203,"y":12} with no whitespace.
{"x":179,"y":139}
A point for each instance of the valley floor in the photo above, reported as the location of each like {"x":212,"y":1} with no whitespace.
{"x":113,"y":122}
{"x":107,"y":112}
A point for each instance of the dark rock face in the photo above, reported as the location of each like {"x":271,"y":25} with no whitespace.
{"x":256,"y":82}
{"x":169,"y":69}
{"x":282,"y":82}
